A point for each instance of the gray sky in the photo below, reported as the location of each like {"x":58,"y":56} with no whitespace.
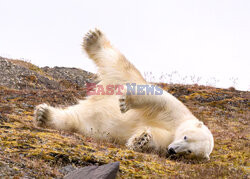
{"x":208,"y":39}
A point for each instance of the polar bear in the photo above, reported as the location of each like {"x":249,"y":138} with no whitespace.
{"x":144,"y":123}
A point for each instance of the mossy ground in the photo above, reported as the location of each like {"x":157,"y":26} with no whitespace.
{"x":29,"y":151}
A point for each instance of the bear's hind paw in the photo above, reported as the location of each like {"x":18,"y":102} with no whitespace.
{"x":92,"y":38}
{"x":41,"y":115}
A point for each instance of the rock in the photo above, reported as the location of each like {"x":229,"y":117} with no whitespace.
{"x":17,"y":74}
{"x":70,"y":76}
{"x":67,"y":169}
{"x":107,"y":171}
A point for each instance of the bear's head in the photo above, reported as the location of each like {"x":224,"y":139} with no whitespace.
{"x":192,"y":137}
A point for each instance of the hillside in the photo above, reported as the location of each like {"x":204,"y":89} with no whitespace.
{"x":29,"y":151}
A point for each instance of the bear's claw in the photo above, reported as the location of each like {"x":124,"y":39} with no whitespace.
{"x":140,"y":143}
{"x":41,"y":114}
{"x":124,"y":106}
{"x":91,"y":38}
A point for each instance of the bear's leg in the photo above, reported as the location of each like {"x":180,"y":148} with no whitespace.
{"x":113,"y":67}
{"x":65,"y":119}
{"x":141,"y":141}
{"x":155,"y":102}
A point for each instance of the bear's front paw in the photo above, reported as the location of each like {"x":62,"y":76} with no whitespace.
{"x":41,"y":115}
{"x":124,"y":104}
{"x":92,"y":38}
{"x":140,"y":143}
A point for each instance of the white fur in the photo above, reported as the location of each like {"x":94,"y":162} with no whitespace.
{"x":164,"y":118}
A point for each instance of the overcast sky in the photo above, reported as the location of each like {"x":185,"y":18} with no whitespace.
{"x":200,"y":38}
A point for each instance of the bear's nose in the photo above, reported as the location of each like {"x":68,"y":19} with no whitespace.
{"x":171,"y":151}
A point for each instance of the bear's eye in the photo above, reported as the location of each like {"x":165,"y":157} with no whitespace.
{"x":189,"y":151}
{"x":185,"y":137}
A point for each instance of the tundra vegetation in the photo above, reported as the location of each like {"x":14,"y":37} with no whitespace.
{"x":29,"y":151}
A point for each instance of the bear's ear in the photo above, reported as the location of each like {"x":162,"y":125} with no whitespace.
{"x":199,"y":124}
